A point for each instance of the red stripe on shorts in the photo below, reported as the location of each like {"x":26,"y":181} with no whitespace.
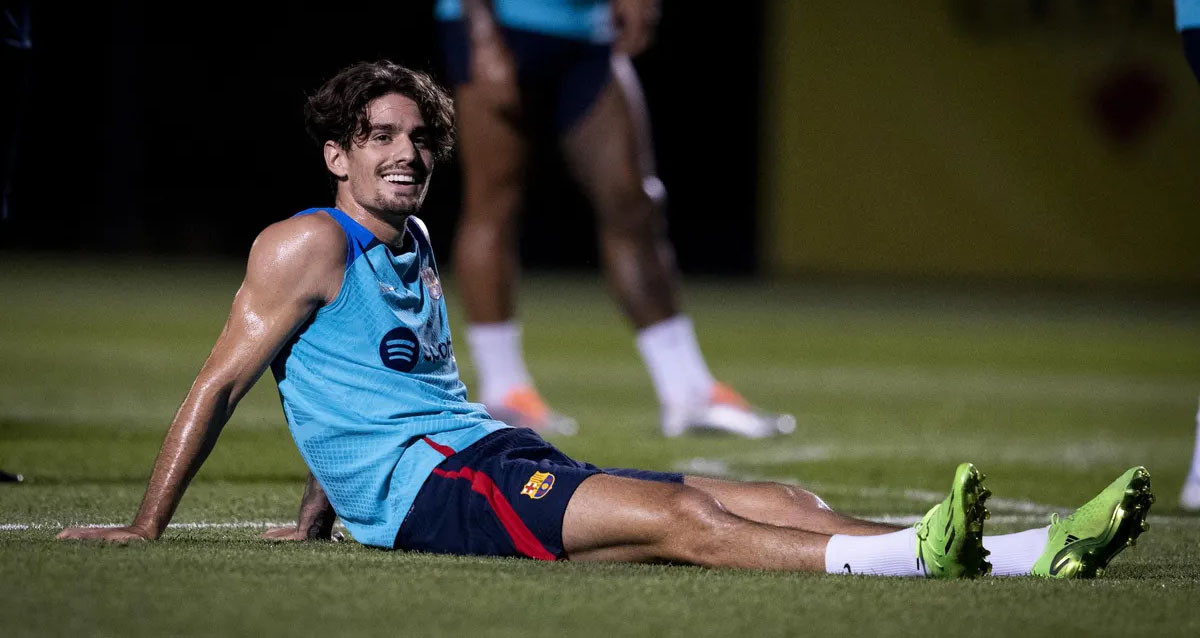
{"x":522,"y":538}
{"x":444,"y":450}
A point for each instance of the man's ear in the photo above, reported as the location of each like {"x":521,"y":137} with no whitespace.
{"x":335,"y":160}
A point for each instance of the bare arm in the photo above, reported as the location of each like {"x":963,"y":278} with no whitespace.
{"x":295,"y":266}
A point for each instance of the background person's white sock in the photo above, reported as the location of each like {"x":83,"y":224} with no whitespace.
{"x":499,"y":364}
{"x":1015,"y":554}
{"x":1195,"y":471}
{"x":677,"y":369}
{"x":893,"y":554}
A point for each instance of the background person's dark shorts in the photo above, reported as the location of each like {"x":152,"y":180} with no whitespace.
{"x":505,"y":495}
{"x":556,"y":74}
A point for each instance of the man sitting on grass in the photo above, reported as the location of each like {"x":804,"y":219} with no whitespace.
{"x":345,"y":304}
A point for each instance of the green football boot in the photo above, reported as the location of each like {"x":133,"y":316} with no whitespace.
{"x":1082,"y":544}
{"x":950,"y":536}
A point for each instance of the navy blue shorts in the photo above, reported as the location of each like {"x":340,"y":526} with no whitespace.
{"x":504,"y":495}
{"x":1191,"y":48}
{"x":559,"y":74}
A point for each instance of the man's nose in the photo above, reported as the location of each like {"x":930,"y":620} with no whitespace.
{"x":404,"y":150}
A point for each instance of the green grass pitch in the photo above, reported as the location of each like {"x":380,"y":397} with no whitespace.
{"x":1052,"y":395}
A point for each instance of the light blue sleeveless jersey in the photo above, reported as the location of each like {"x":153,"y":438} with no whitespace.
{"x":1187,"y":14}
{"x":369,"y":375}
{"x":589,"y":20}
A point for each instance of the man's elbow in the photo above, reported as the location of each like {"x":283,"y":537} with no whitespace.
{"x":216,"y":393}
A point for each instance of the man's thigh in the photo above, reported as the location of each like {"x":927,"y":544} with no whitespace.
{"x":613,"y":518}
{"x":506,"y":495}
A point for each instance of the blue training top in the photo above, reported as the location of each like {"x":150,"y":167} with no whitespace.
{"x":372,"y":373}
{"x":589,"y":20}
{"x":1187,"y":14}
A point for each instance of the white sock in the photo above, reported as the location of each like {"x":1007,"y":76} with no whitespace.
{"x":1194,"y":474}
{"x":496,"y":350}
{"x":677,"y":368}
{"x":893,"y":554}
{"x":1015,"y":554}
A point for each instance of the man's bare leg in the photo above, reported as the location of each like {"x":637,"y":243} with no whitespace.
{"x":494,"y":157}
{"x":494,"y":154}
{"x":607,"y":154}
{"x":784,"y":506}
{"x":618,"y":519}
{"x":612,"y":518}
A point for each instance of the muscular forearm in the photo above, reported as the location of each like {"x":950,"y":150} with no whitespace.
{"x":295,"y":266}
{"x":316,"y":513}
{"x":192,"y":435}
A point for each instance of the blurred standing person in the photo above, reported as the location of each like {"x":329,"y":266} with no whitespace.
{"x":1187,"y":20}
{"x":507,"y":59}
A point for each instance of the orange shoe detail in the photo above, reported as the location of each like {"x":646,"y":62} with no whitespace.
{"x":528,"y":403}
{"x":726,"y":395}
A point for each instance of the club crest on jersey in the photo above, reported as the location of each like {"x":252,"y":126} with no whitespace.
{"x":539,"y":485}
{"x":432,"y":283}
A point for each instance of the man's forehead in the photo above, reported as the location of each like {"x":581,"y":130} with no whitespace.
{"x":393,"y":108}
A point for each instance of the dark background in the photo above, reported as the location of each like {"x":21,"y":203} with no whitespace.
{"x":178,"y":129}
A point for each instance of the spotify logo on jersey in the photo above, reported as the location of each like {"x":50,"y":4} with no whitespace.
{"x":400,"y":350}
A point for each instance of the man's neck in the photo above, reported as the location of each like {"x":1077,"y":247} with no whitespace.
{"x":388,"y":229}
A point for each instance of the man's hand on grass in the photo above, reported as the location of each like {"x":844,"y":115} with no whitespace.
{"x":292,"y":533}
{"x":110,"y":534}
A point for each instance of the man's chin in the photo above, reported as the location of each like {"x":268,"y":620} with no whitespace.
{"x":400,"y":208}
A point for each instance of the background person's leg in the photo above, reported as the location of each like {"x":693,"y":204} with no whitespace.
{"x":493,"y":153}
{"x":604,"y":154}
{"x":1189,"y":498}
{"x":609,"y":152}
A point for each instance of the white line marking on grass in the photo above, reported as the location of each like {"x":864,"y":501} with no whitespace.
{"x":720,"y":468}
{"x":20,"y":527}
{"x":1102,"y":449}
{"x":1030,"y":520}
{"x":882,"y":380}
{"x":1016,"y":511}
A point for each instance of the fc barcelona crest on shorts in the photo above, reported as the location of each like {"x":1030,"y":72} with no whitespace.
{"x":432,"y":283}
{"x":539,"y":485}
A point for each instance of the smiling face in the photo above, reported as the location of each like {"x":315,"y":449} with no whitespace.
{"x":385,"y":171}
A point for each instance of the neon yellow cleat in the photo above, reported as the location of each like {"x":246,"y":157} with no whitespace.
{"x":1082,"y":544}
{"x":950,"y":536}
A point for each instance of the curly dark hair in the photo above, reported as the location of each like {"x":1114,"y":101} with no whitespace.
{"x":338,"y":110}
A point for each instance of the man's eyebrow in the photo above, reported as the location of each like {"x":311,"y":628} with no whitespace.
{"x":384,"y":128}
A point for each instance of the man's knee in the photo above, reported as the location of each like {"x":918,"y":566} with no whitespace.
{"x":696,"y":524}
{"x":796,"y":495}
{"x":492,"y":204}
{"x":628,"y":213}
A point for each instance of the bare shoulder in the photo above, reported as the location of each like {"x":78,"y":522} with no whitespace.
{"x":306,"y":252}
{"x":316,"y":236}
